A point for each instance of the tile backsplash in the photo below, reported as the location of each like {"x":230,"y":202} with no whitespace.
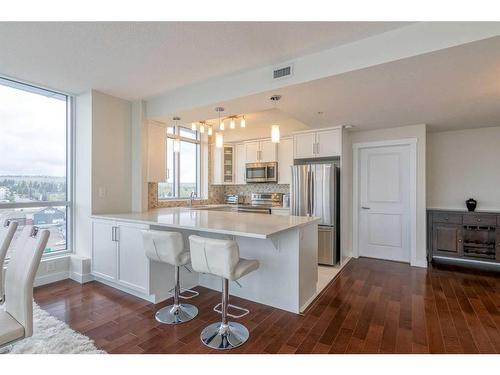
{"x":216,"y":194}
{"x":245,"y":191}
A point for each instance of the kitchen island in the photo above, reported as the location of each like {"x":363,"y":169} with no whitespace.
{"x":285,"y":246}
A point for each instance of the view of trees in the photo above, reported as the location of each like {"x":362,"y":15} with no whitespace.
{"x":30,"y":188}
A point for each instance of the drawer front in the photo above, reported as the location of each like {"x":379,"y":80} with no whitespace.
{"x":480,"y":219}
{"x":443,"y":217}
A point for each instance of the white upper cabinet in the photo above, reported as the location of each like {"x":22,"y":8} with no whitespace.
{"x":328,"y":143}
{"x":318,"y":144}
{"x":240,"y":163}
{"x":157,"y":156}
{"x":268,"y":151}
{"x":260,"y":151}
{"x":217,"y":171}
{"x":285,"y":161}
{"x":304,"y":145}
{"x":252,"y":152}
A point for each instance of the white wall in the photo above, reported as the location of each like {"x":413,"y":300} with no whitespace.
{"x":111,"y":154}
{"x":83,"y":169}
{"x":413,"y":131}
{"x":102,"y":159}
{"x":139,"y":155}
{"x":463,"y":164}
{"x":346,"y":196}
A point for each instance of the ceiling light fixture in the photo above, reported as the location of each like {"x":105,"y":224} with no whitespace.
{"x":275,"y":129}
{"x":221,"y":123}
{"x":202,"y":127}
{"x":243,"y":123}
{"x":193,"y":126}
{"x":232,"y":123}
{"x":210,"y":131}
{"x":219,"y":140}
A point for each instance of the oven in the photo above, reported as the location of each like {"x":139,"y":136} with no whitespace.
{"x":261,"y":172}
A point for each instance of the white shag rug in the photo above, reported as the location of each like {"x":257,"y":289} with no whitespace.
{"x":52,"y":336}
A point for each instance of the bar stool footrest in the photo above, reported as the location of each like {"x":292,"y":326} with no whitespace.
{"x":218,"y":309}
{"x":191,"y":293}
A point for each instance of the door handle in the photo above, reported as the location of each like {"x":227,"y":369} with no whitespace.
{"x":365,"y":208}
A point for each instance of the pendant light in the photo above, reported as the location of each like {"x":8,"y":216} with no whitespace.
{"x":209,"y":131}
{"x":177,"y":140}
{"x":221,"y":123}
{"x":219,"y":140}
{"x":243,"y":123}
{"x":232,"y":123}
{"x":202,"y":127}
{"x":275,"y":129}
{"x":193,"y":126}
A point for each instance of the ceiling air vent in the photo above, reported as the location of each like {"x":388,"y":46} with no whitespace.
{"x":282,"y":72}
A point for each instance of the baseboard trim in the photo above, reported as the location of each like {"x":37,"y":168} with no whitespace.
{"x":147,"y":297}
{"x":51,"y":278}
{"x":79,"y":278}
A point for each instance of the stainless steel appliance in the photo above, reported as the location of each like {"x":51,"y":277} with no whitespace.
{"x":261,"y":203}
{"x":261,"y":172}
{"x":316,"y":192}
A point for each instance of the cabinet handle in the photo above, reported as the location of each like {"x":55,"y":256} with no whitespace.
{"x":317,"y":148}
{"x":114,"y":234}
{"x":459,"y":240}
{"x":478,"y":219}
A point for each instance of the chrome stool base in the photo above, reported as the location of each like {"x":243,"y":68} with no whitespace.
{"x":176,"y":314}
{"x":224,"y":336}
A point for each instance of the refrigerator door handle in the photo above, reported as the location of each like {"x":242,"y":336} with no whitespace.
{"x":312,"y":193}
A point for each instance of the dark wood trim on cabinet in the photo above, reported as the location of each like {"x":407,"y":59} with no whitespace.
{"x":465,"y":235}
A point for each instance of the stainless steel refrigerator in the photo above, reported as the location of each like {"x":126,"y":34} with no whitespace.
{"x":315,"y":191}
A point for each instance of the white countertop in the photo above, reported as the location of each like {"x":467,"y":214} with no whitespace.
{"x":231,"y":223}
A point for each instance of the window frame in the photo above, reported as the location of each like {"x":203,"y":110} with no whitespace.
{"x":177,"y":160}
{"x":70,"y":162}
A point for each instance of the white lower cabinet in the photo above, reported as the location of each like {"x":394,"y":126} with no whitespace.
{"x":118,"y":254}
{"x":104,"y":250}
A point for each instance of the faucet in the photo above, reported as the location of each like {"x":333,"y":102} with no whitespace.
{"x":191,"y":198}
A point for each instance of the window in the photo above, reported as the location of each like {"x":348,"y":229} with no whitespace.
{"x":35,"y":167}
{"x":183,"y":167}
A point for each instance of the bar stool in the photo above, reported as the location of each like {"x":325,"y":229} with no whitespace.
{"x":222,"y":258}
{"x":168,"y":247}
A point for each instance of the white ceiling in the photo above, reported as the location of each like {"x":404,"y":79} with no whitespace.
{"x":454,"y":88}
{"x":136,"y":60}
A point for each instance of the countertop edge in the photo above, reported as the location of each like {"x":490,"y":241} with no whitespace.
{"x":208,"y":230}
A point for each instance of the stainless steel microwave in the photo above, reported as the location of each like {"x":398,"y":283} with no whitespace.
{"x":262,"y":172}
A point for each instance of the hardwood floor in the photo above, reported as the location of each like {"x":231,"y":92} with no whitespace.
{"x":373,"y":306}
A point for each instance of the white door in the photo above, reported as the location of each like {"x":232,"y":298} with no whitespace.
{"x":240,"y":164}
{"x":328,"y":143}
{"x":384,"y":202}
{"x":304,"y":145}
{"x":104,"y":249}
{"x":133,"y":270}
{"x":252,"y":152}
{"x":268,"y":151}
{"x":285,"y":161}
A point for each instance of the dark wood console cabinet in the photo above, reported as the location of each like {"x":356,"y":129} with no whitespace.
{"x":464,"y":235}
